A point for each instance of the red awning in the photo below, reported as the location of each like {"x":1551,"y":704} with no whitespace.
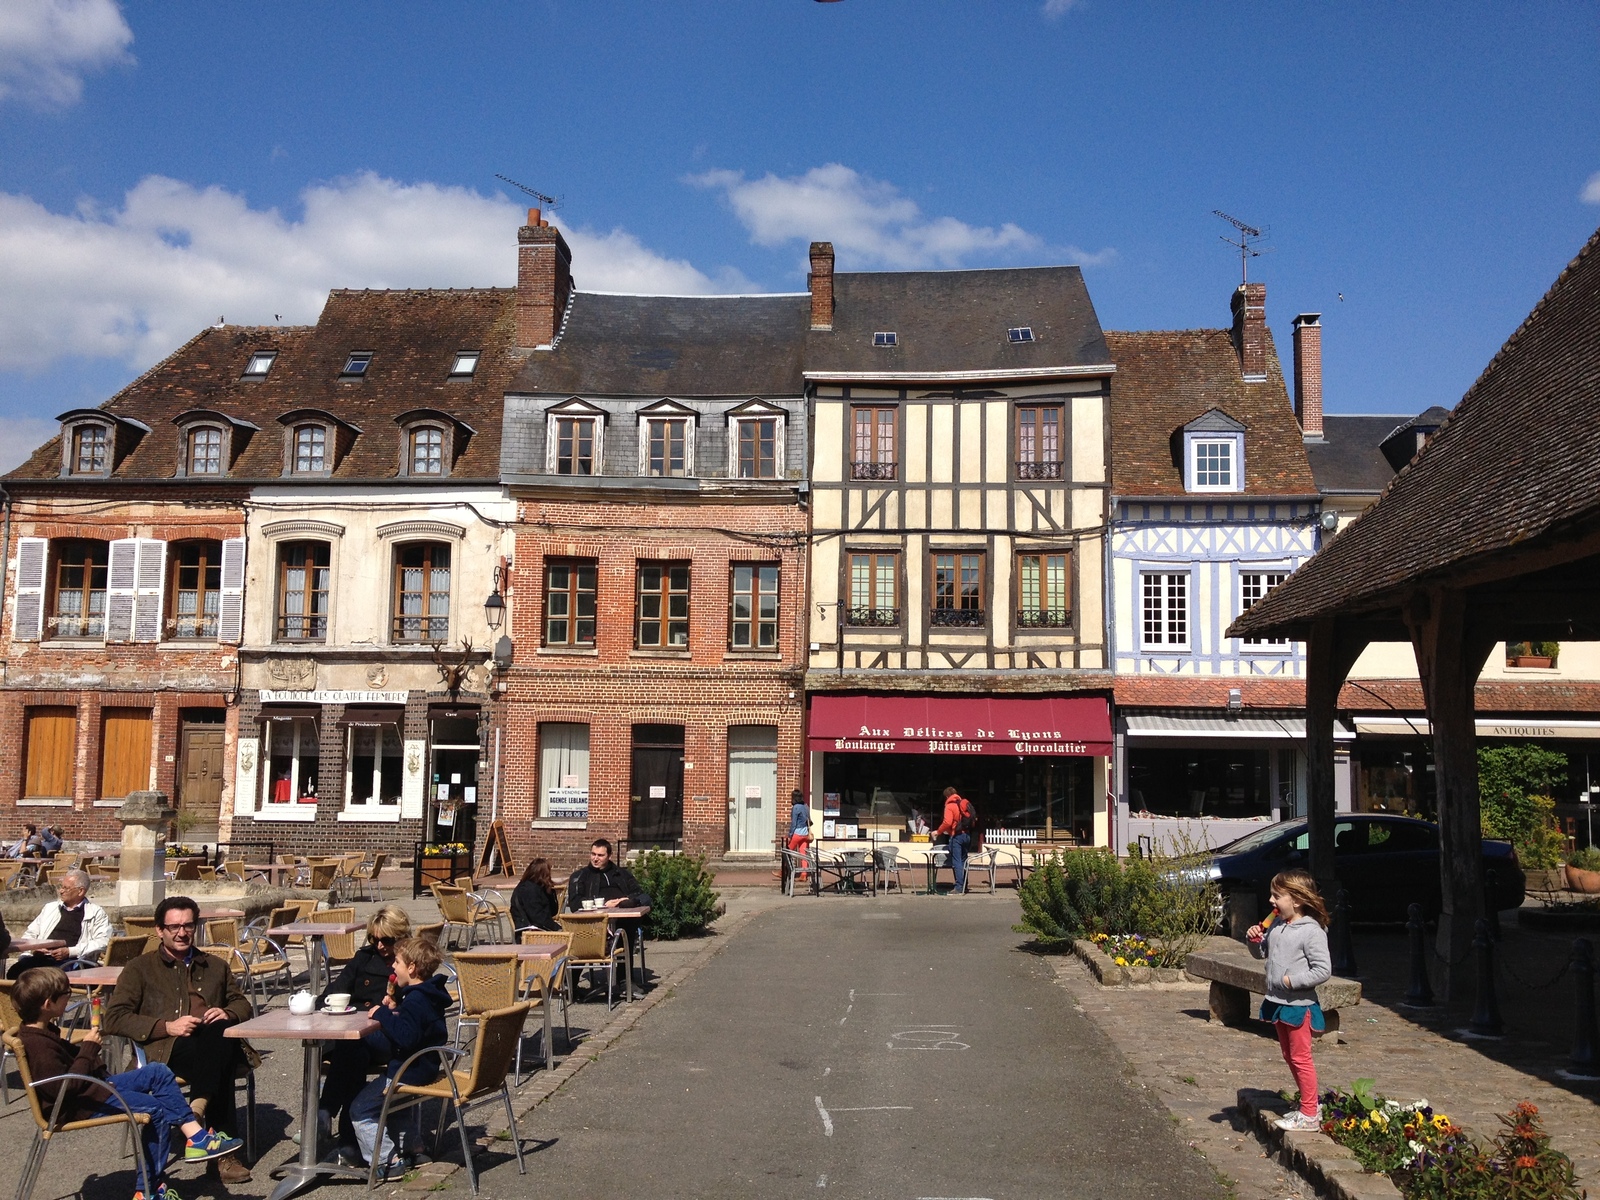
{"x":891,"y":723}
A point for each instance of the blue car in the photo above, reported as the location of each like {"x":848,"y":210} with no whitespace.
{"x":1384,"y":863}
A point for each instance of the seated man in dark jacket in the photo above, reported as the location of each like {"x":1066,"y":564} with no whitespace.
{"x":175,"y":1002}
{"x":411,"y":1020}
{"x":41,"y":997}
{"x":605,"y":881}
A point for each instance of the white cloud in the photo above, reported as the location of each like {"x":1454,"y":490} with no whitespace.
{"x":21,"y":436}
{"x":133,"y":283}
{"x":1591,"y":190}
{"x":1060,"y":8}
{"x":47,"y":46}
{"x":868,"y":221}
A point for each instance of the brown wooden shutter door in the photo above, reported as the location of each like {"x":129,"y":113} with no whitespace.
{"x":52,"y":735}
{"x":125,"y":752}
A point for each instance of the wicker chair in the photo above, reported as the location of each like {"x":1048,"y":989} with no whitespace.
{"x":460,"y":908}
{"x":46,"y":1129}
{"x":544,"y":984}
{"x":499,"y":1037}
{"x":433,"y":932}
{"x":593,"y":947}
{"x":144,"y":925}
{"x":264,"y":961}
{"x":365,"y":876}
{"x":124,"y":950}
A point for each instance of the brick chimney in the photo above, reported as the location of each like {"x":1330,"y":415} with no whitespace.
{"x":1250,"y":329}
{"x":820,"y":284}
{"x":544,"y":281}
{"x":1308,"y":375}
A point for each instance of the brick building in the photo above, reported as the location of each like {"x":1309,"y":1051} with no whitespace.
{"x":655,"y":447}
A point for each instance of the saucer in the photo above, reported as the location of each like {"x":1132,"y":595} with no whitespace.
{"x":338,"y":1012}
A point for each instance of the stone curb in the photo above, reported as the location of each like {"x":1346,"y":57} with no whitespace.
{"x":1108,"y":974}
{"x":1327,"y":1166}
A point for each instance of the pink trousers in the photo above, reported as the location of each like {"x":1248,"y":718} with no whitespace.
{"x":1296,"y":1044}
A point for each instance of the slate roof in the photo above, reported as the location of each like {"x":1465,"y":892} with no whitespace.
{"x":1165,"y":380}
{"x":413,"y":337}
{"x":1357,"y":695}
{"x":949,"y":321}
{"x":674,"y":346}
{"x":1348,"y":460}
{"x":1514,"y":462}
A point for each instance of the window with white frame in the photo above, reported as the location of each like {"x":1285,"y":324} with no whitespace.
{"x":564,"y":770}
{"x":577,"y":445}
{"x":1253,"y":585}
{"x":1212,"y":466}
{"x":374,"y":766}
{"x":1164,"y":610}
{"x":755,"y":450}
{"x":291,"y":753}
{"x":668,"y":446}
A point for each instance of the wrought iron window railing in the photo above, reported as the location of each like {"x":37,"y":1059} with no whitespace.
{"x":872,"y":616}
{"x":193,"y":626}
{"x":1043,"y":618}
{"x":68,"y":626}
{"x":1038,"y":470}
{"x":967,"y":617}
{"x":422,"y":629}
{"x":302,"y":629}
{"x":874,"y":470}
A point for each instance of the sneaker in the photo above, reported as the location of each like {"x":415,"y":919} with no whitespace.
{"x":1300,"y":1120}
{"x":166,"y":1192}
{"x":208,"y":1143}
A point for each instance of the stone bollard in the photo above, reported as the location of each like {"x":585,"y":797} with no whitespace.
{"x":142,"y":879}
{"x":1491,"y":913}
{"x":1340,"y":948}
{"x":1486,"y":1012}
{"x":1585,"y":1058}
{"x":1420,"y":993}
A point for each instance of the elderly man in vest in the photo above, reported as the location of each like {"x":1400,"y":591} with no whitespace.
{"x":176,"y":1002}
{"x":83,"y":926}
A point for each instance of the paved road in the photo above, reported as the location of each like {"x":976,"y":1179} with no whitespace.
{"x":870,"y":1048}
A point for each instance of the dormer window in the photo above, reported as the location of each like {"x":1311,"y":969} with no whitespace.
{"x":755,"y":441}
{"x":575,"y":438}
{"x":310,"y":450}
{"x":666,"y":439}
{"x":204,"y":456}
{"x":430,"y":442}
{"x":355,"y":367}
{"x":260,"y":363}
{"x":465,"y":365}
{"x":427,"y":450}
{"x":91,"y":450}
{"x":1213,"y":453}
{"x":885,"y":339}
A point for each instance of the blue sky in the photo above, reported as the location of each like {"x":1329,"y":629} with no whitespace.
{"x":163,"y":164}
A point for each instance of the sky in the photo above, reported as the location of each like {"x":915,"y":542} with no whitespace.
{"x":1423,"y":172}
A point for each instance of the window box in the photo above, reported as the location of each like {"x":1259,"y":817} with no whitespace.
{"x":440,"y":866}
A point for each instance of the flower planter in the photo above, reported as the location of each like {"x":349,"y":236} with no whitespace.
{"x":1531,"y":660}
{"x":1579,"y":880}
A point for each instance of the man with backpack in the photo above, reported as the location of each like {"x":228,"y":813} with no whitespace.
{"x":960,"y":821}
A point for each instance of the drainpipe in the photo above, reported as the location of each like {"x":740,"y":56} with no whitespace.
{"x":5,"y":554}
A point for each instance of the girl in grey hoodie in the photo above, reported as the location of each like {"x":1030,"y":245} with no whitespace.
{"x":1294,"y":941}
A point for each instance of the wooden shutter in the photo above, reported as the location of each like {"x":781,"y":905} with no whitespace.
{"x":52,"y":734}
{"x":148,"y":590}
{"x":28,"y":618}
{"x":124,"y":752}
{"x":122,"y":576}
{"x":230,"y":614}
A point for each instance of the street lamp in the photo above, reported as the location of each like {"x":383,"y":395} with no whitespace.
{"x":494,"y":608}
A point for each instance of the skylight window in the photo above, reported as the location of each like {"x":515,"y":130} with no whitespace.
{"x":356,"y":365}
{"x":260,"y":363}
{"x":465,"y":365}
{"x":886,"y":338}
{"x":1020,"y":333}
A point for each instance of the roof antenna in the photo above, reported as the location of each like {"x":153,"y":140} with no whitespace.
{"x":1248,"y":235}
{"x":549,"y":202}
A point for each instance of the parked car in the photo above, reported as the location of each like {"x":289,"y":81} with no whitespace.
{"x":1384,"y":863}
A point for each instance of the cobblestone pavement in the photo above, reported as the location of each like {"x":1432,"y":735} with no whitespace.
{"x":1197,"y":1068}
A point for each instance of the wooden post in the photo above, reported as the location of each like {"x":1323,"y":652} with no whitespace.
{"x":1331,"y":650}
{"x":1449,"y":658}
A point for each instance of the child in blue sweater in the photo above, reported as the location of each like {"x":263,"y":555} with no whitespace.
{"x":409,"y":1021}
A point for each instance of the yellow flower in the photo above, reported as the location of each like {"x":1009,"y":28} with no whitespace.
{"x":1349,"y":1122}
{"x":1366,"y":1125}
{"x":1440,"y":1120}
{"x":1121,"y":962}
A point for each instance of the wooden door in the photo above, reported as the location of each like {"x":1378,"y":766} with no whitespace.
{"x":656,"y":814}
{"x":200,"y":772}
{"x":52,"y":734}
{"x":124,"y":752}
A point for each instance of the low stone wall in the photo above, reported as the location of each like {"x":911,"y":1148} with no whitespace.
{"x":1109,"y":974}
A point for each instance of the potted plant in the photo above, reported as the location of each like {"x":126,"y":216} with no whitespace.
{"x":1583,"y":870}
{"x":1532,"y":654}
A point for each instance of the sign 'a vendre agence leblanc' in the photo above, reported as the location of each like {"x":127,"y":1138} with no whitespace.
{"x":1078,"y":725}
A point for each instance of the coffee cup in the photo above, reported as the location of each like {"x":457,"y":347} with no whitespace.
{"x":338,"y":1000}
{"x":591,"y":905}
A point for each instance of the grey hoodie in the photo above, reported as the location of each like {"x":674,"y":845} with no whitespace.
{"x":1298,"y":949}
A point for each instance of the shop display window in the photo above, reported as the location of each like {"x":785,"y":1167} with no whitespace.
{"x":291,"y":750}
{"x":1223,"y":781}
{"x":374,"y":765}
{"x":1395,"y":776}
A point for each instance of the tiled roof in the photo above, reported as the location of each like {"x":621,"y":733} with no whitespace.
{"x":1166,"y":379}
{"x":958,"y":321}
{"x":1357,"y":695}
{"x":1348,"y":460}
{"x":1515,"y":460}
{"x":413,"y":337}
{"x":674,"y":346}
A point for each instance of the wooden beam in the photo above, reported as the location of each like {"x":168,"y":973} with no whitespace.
{"x":1331,"y":650}
{"x":1450,"y":653}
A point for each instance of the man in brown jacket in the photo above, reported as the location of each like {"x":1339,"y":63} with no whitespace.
{"x":175,"y":1002}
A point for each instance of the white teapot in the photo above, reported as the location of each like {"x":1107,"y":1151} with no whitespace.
{"x":302,"y":1003}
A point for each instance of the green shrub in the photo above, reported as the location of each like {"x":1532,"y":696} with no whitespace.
{"x":1514,"y":786}
{"x":1587,"y":859}
{"x":1079,"y":893}
{"x":681,"y":897}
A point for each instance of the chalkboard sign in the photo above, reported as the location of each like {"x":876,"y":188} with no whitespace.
{"x":496,"y":858}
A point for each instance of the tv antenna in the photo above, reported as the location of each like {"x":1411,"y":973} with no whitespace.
{"x":545,"y":201}
{"x":1245,"y":243}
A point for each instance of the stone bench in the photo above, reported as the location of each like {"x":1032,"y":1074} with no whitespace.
{"x":1239,"y":983}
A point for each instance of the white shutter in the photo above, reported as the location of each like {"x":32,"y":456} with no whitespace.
{"x":122,"y":578}
{"x":149,"y":586}
{"x":230,"y":615}
{"x":28,"y":619}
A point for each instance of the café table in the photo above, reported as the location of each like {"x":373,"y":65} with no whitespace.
{"x":534,"y":953}
{"x":21,"y":946}
{"x":311,"y":1031}
{"x":275,"y":872}
{"x":94,"y":977}
{"x":317,"y":951}
{"x":936,"y":858}
{"x":614,"y":915}
{"x":848,"y":867}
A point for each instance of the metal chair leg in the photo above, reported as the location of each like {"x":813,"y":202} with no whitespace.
{"x":30,"y":1166}
{"x":250,"y":1117}
{"x":466,"y":1147}
{"x":516,"y":1138}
